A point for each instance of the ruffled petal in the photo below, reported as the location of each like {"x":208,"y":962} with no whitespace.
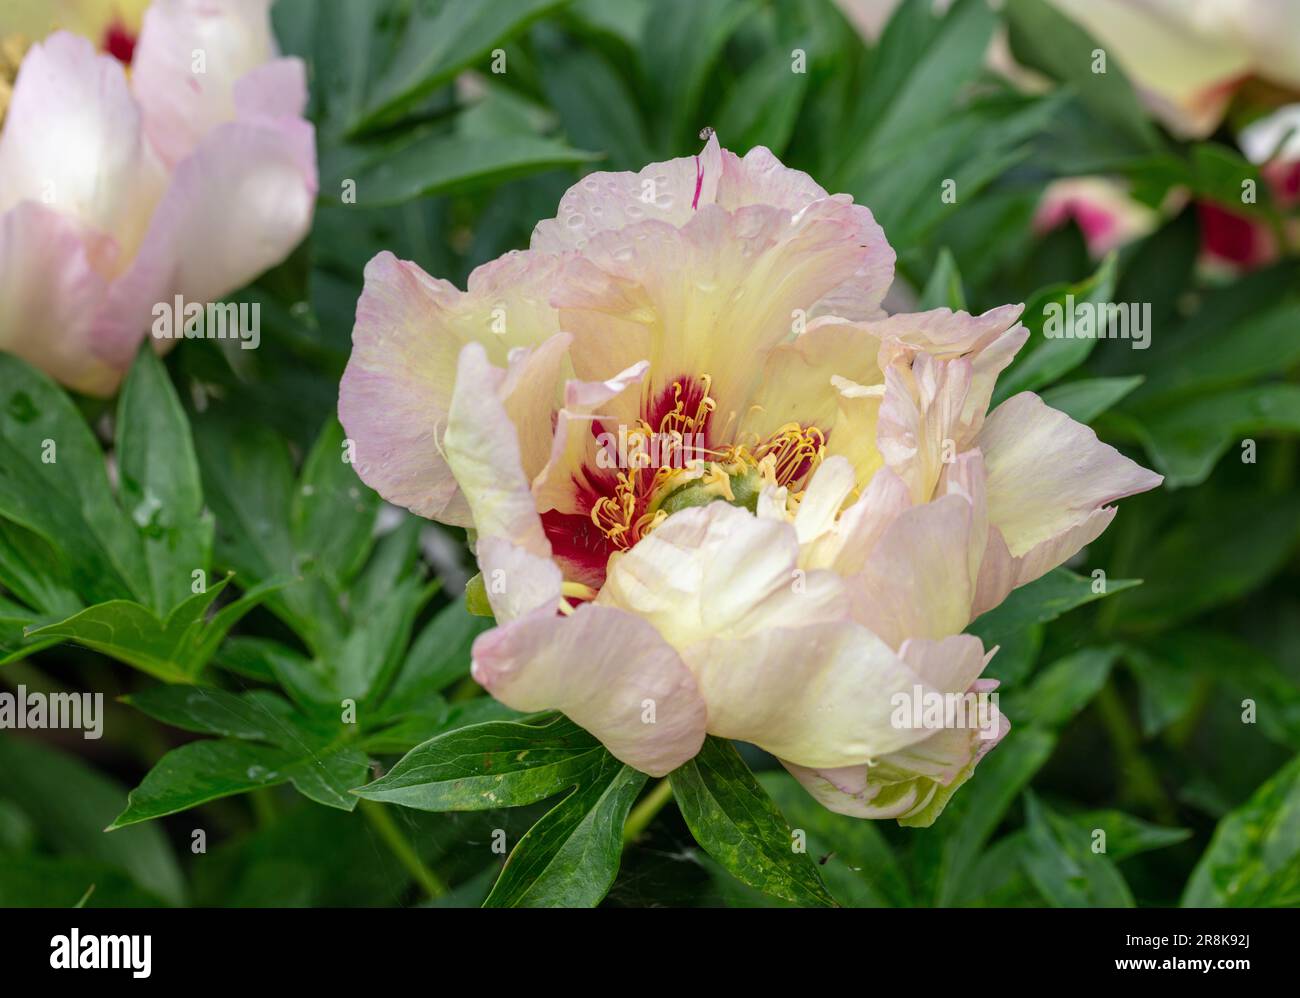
{"x":819,"y":695}
{"x":72,"y":141}
{"x":718,"y":570}
{"x":397,"y":388}
{"x":49,"y":294}
{"x":709,"y":298}
{"x":188,"y":59}
{"x":1047,"y":475}
{"x":609,"y":672}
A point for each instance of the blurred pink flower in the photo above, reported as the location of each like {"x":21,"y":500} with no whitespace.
{"x":846,"y":503}
{"x":189,"y":177}
{"x":1105,"y":212}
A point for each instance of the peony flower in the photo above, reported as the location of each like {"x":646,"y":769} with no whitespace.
{"x":1107,"y":215}
{"x":713,"y":488}
{"x":1189,"y":57}
{"x":1235,"y":242}
{"x":138,"y":167}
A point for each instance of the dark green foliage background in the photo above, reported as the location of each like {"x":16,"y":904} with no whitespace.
{"x":1127,"y":711}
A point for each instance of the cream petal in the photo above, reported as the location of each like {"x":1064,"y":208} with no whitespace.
{"x":609,"y":672}
{"x":72,"y":141}
{"x":1047,"y":474}
{"x":819,"y":695}
{"x":798,"y":377}
{"x":49,"y":294}
{"x":846,"y":546}
{"x":603,"y":202}
{"x":709,"y":298}
{"x":396,"y":391}
{"x":188,"y":59}
{"x":482,"y":451}
{"x":916,"y":583}
{"x":919,"y":427}
{"x":718,"y":570}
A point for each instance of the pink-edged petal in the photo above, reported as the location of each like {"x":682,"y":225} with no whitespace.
{"x":914,"y":784}
{"x":517,"y":580}
{"x":989,"y":341}
{"x":396,"y":391}
{"x":188,"y":60}
{"x":718,"y":570}
{"x":72,"y":141}
{"x":236,"y":207}
{"x":920,"y":420}
{"x":819,"y":695}
{"x":49,"y":294}
{"x":602,"y":202}
{"x":483,"y":453}
{"x":846,"y":546}
{"x":607,"y":671}
{"x":760,"y":178}
{"x":917,"y":582}
{"x":711,"y":297}
{"x":1048,"y":474}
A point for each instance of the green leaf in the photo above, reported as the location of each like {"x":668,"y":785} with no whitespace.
{"x":1043,"y":359}
{"x":438,"y":657}
{"x":1044,"y":599}
{"x":1064,"y":688}
{"x":439,"y":163}
{"x":70,"y":804}
{"x":203,"y":771}
{"x":1253,"y":860}
{"x":921,"y":65}
{"x":1208,"y":556}
{"x":159,"y":482}
{"x":332,"y":514}
{"x":943,"y":289}
{"x":1060,"y":861}
{"x":1187,"y":437}
{"x":174,"y":649}
{"x":490,"y":765}
{"x":680,"y":42}
{"x":437,"y":42}
{"x":211,"y":711}
{"x":597,"y":110}
{"x":571,"y":856}
{"x":947,"y":851}
{"x":1088,"y":398}
{"x":1044,"y":39}
{"x":736,"y":823}
{"x":1126,"y":835}
{"x":855,"y":860}
{"x":762,"y":105}
{"x":53,"y":483}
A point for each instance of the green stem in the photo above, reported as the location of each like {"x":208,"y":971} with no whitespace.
{"x":263,"y":806}
{"x":653,"y":802}
{"x":404,"y":852}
